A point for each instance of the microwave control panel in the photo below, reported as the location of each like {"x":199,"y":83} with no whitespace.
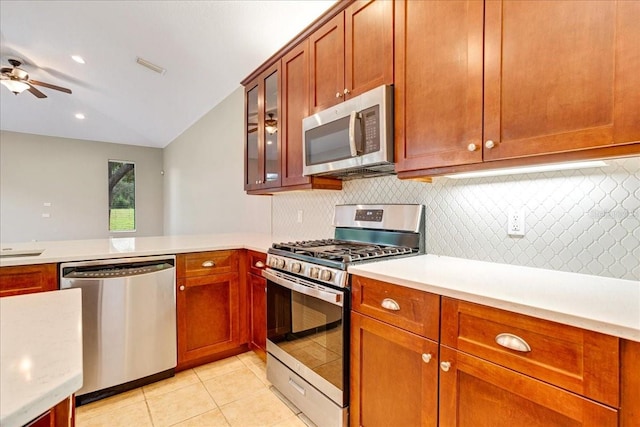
{"x":370,"y":119}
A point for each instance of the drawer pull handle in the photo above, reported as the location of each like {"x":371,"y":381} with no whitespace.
{"x":259,"y":264}
{"x":208,"y":264}
{"x":390,"y":304}
{"x":426,"y":357}
{"x":513,"y":342}
{"x":445,"y":366}
{"x":297,"y":387}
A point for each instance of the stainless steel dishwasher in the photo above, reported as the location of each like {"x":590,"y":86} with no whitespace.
{"x":128,"y":322}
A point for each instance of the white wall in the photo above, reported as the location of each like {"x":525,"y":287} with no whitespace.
{"x":71,"y":175}
{"x":204,"y":174}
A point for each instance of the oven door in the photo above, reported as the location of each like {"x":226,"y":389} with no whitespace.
{"x":307,"y":325}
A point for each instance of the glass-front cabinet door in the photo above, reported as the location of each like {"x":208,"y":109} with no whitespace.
{"x":262,"y":144}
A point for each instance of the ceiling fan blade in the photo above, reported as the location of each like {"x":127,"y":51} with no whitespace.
{"x":35,"y":91}
{"x":50,"y":86}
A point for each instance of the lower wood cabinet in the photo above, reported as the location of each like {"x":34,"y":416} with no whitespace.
{"x":210,"y":307}
{"x":257,"y":288}
{"x":61,"y":415}
{"x":394,"y":375}
{"x":567,"y":377}
{"x":27,"y":279}
{"x":475,"y":392}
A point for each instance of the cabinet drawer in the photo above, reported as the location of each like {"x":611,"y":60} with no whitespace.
{"x":257,"y":262}
{"x":575,"y":359}
{"x":26,"y":279}
{"x":410,"y":309}
{"x":214,"y":262}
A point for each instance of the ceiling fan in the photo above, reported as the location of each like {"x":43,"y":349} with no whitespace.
{"x":17,"y":80}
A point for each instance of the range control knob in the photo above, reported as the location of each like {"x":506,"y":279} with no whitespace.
{"x":314,"y":272}
{"x":281,"y":263}
{"x":296,"y":267}
{"x":326,"y":275}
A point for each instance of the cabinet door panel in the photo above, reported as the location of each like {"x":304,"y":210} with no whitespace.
{"x":208,"y":316}
{"x":295,"y":107}
{"x":368,"y":45}
{"x":391,"y":383}
{"x":438,"y":86}
{"x":476,"y":393}
{"x":327,"y":64}
{"x":551,"y":78}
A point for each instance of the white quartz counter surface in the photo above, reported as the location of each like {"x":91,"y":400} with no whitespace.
{"x":40,"y":353}
{"x":81,"y":250}
{"x":601,"y":304}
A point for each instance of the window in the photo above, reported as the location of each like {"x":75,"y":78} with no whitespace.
{"x":122,"y":196}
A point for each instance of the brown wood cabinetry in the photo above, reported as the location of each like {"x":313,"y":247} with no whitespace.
{"x":61,"y":415}
{"x":476,"y":392}
{"x":26,"y":279}
{"x":541,"y":374}
{"x":295,"y":107}
{"x":559,"y":83}
{"x":257,"y":302}
{"x":394,"y":378}
{"x":262,"y":140}
{"x":211,"y":307}
{"x":352,"y":53}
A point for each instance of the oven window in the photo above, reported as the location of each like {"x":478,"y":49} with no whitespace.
{"x":308,"y":329}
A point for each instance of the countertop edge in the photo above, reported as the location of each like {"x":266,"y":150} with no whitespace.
{"x":567,"y":318}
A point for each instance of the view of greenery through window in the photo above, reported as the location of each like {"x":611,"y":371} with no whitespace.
{"x":122,"y":196}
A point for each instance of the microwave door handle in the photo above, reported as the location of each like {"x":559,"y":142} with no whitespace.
{"x":352,"y":134}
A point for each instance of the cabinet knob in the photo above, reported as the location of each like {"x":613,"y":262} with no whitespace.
{"x":426,"y":357}
{"x":489,"y":144}
{"x":182,"y":287}
{"x":208,"y":264}
{"x":472,"y":147}
{"x":346,"y":91}
{"x":445,"y":366}
{"x":338,"y":95}
{"x":259,"y":264}
{"x":390,"y":304}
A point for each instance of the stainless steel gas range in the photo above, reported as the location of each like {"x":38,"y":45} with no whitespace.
{"x":309,"y":300}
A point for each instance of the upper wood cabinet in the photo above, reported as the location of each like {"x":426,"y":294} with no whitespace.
{"x":262,"y":144}
{"x":514,"y":82}
{"x":352,"y":53}
{"x":27,"y":279}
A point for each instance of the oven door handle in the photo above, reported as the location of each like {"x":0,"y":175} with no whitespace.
{"x":330,"y":297}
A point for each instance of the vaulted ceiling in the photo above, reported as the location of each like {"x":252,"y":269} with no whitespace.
{"x":206,"y":48}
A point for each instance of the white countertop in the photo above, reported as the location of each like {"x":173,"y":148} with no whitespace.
{"x":81,"y":250}
{"x":601,"y":304}
{"x":40,"y":353}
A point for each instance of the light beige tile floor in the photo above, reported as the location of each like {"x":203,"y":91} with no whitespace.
{"x":233,"y":392}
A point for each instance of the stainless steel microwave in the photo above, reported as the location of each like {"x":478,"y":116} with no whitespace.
{"x":352,"y":139}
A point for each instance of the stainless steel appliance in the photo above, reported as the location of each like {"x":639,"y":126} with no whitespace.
{"x":128,"y":322}
{"x":352,"y":139}
{"x":308,"y":303}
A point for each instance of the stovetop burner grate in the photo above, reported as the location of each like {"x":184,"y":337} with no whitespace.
{"x":341,"y":250}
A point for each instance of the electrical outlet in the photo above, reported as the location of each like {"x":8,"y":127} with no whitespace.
{"x":515,"y":222}
{"x":300,"y":217}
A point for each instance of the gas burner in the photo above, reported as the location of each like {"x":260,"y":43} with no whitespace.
{"x":341,"y":250}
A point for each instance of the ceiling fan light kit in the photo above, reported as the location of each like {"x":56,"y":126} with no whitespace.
{"x":17,"y":81}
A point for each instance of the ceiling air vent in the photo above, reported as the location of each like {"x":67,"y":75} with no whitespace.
{"x":153,"y":67}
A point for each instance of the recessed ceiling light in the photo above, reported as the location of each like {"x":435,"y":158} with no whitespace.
{"x":78,"y":59}
{"x":80,"y":116}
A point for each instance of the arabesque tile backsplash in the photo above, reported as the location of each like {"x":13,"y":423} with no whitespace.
{"x":583,"y":221}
